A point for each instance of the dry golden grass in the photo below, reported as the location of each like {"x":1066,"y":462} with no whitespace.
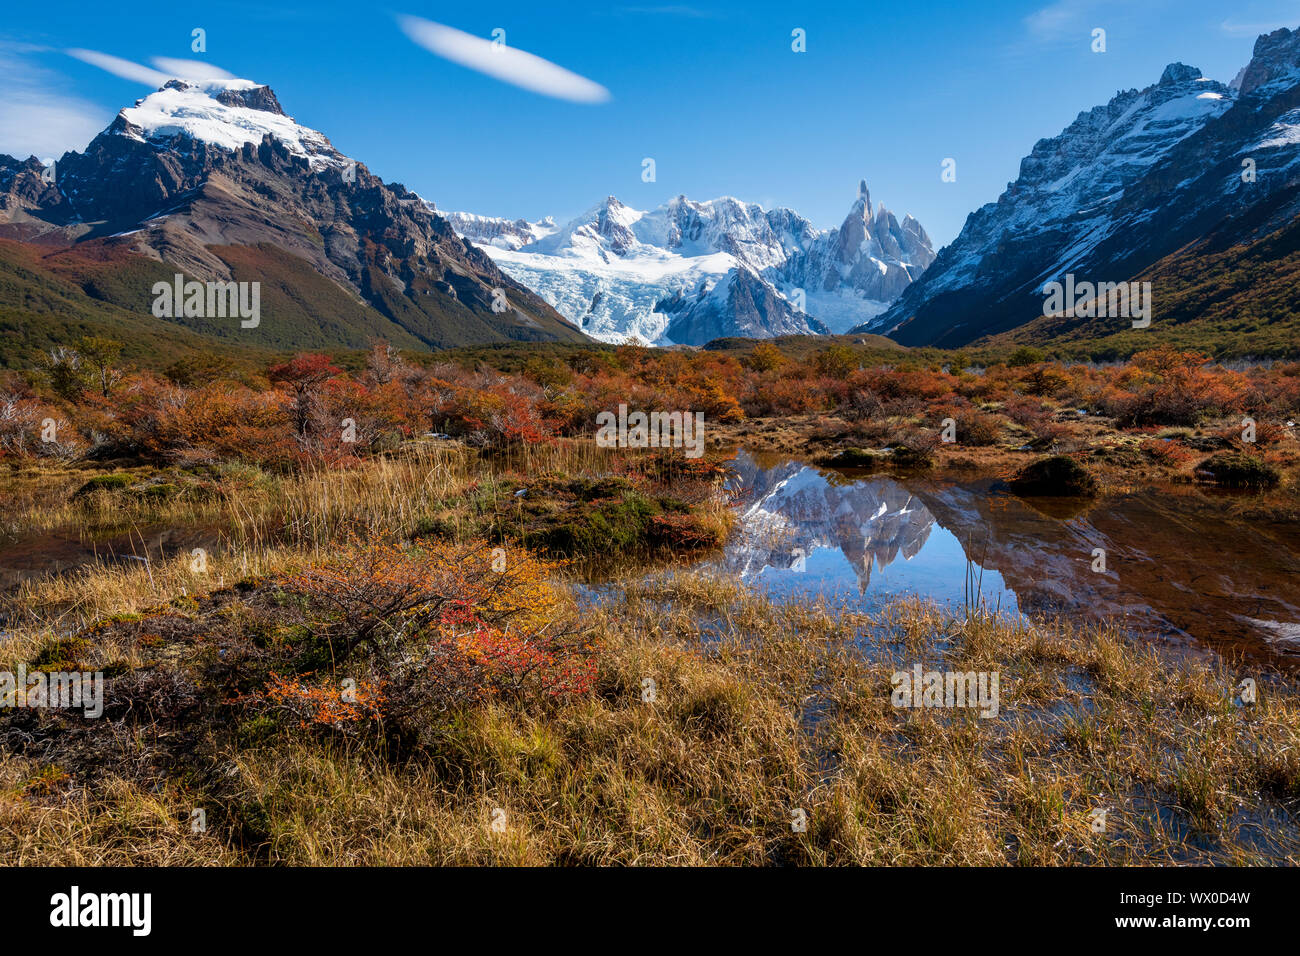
{"x":760,"y":710}
{"x":265,"y":522}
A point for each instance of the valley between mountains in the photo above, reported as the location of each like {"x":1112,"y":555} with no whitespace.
{"x":940,"y":574}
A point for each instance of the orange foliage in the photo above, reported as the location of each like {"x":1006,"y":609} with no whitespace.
{"x":438,"y":627}
{"x":302,"y":417}
{"x":324,"y":704}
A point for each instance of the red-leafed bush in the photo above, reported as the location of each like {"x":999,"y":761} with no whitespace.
{"x":427,"y":630}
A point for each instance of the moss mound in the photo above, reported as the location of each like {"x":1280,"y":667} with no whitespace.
{"x":856,"y":458}
{"x":1235,"y":469}
{"x":1057,"y":476}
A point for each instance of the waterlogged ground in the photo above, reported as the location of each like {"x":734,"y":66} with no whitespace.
{"x":1178,"y":567}
{"x":26,"y":557}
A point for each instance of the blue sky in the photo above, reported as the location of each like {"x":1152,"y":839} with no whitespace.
{"x":711,"y":90}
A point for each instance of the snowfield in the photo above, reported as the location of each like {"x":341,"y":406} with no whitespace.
{"x":625,"y":275}
{"x":191,"y":109}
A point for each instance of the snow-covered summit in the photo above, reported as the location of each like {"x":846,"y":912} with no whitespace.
{"x":223,"y":113}
{"x":686,"y":268}
{"x":499,"y":233}
{"x":1062,"y":205}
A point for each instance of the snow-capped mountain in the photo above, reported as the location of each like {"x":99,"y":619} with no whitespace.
{"x":687,"y":272}
{"x":215,"y":181}
{"x":225,"y":113}
{"x":1121,"y":187}
{"x":498,"y":233}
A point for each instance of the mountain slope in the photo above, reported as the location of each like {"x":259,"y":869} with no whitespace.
{"x":1230,"y":299}
{"x":50,"y":299}
{"x":1122,"y":188}
{"x":193,"y":174}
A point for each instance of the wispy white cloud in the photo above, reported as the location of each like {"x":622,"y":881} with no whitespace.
{"x":126,"y":69}
{"x":45,"y":126}
{"x":37,"y":116}
{"x":1255,"y":29}
{"x":1054,"y":20}
{"x":196,"y":71}
{"x":502,"y":62}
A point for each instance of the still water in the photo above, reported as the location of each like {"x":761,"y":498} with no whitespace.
{"x":1178,"y":567}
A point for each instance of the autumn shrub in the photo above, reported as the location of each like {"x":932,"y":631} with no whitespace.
{"x":837,"y":361}
{"x":714,"y":401}
{"x":783,"y":396}
{"x":765,"y":357}
{"x":1167,"y":387}
{"x":1266,"y":434}
{"x":862,"y":404}
{"x":1044,"y":380}
{"x":157,"y":420}
{"x":30,"y":429}
{"x":408,"y":634}
{"x":307,"y":411}
{"x":1168,"y":453}
{"x":908,"y":383}
{"x":303,"y":379}
{"x":1026,"y":411}
{"x":1275,"y":390}
{"x":974,"y":427}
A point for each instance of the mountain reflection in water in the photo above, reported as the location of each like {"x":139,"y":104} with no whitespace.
{"x":1176,"y":566}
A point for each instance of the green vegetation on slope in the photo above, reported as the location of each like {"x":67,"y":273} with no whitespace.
{"x":1226,"y":300}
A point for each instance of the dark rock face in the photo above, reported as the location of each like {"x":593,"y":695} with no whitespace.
{"x":1276,"y":57}
{"x":179,"y":197}
{"x":741,"y":304}
{"x":258,"y":98}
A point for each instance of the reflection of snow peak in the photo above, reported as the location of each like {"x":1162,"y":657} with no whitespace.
{"x":795,"y":514}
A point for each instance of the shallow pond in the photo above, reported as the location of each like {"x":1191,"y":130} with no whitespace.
{"x":1176,"y":566}
{"x":34,"y":556}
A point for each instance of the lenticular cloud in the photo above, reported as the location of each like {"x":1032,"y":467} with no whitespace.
{"x":504,"y":63}
{"x":120,"y":67}
{"x":192,"y":71}
{"x":195,"y":71}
